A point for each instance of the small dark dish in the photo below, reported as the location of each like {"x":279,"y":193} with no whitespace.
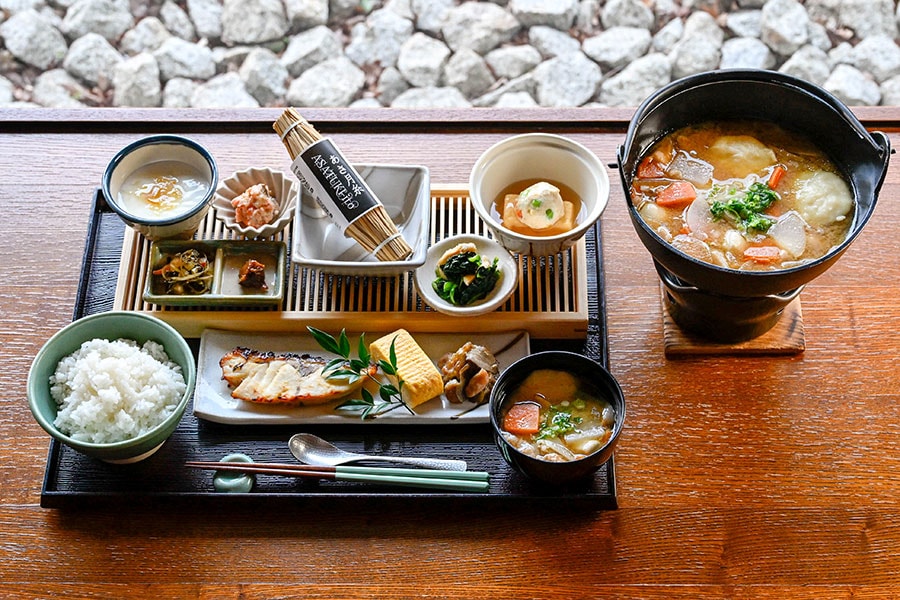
{"x":594,"y":378}
{"x":699,"y":293}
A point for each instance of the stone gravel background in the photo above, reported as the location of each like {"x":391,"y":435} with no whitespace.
{"x":429,"y":53}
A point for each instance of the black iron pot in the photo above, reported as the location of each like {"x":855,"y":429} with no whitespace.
{"x":749,"y":94}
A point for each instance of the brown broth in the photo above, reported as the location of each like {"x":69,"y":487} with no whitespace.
{"x":689,"y":154}
{"x":567,"y":193}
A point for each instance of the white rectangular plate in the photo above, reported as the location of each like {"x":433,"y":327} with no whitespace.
{"x":213,"y":401}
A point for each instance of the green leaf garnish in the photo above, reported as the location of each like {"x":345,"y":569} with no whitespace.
{"x":354,"y":369}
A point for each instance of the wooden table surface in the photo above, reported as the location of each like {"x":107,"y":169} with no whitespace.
{"x":762,"y":477}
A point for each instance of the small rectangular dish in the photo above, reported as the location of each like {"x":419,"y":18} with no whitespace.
{"x":405,"y":192}
{"x":225,"y":258}
{"x":213,"y":401}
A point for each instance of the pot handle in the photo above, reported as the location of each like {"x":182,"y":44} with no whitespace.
{"x":884,"y":145}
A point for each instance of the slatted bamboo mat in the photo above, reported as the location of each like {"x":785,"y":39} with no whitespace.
{"x":551,"y":300}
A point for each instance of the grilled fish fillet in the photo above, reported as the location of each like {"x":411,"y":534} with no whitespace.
{"x":285,"y":378}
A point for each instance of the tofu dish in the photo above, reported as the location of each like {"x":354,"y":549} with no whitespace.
{"x":744,"y":195}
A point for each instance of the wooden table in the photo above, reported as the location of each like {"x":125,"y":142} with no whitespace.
{"x":740,"y":477}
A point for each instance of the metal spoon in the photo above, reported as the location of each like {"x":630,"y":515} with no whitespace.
{"x":313,"y":450}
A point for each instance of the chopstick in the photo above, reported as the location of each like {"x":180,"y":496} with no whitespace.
{"x":467,"y":481}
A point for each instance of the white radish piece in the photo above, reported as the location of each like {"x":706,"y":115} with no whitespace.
{"x":789,"y":232}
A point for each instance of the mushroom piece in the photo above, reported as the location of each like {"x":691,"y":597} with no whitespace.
{"x":469,"y":374}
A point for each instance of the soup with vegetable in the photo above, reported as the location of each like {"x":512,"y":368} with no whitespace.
{"x":552,"y":417}
{"x":743,"y":195}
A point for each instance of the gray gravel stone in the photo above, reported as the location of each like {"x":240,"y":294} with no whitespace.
{"x":253,"y":21}
{"x":869,"y":17}
{"x":490,"y":51}
{"x":230,"y":59}
{"x":177,"y":92}
{"x":878,"y":55}
{"x":568,"y":80}
{"x":264,"y":77}
{"x":746,"y":53}
{"x":136,"y":82}
{"x":431,"y":97}
{"x":206,"y":16}
{"x":635,"y":82}
{"x":33,"y":40}
{"x":431,"y":15}
{"x":700,"y":47}
{"x":617,"y":46}
{"x":551,"y":42}
{"x":390,"y":85}
{"x":304,"y":14}
{"x":479,"y":26}
{"x":626,"y":13}
{"x":91,"y":59}
{"x":223,"y":91}
{"x":745,"y":23}
{"x":109,"y":18}
{"x":509,"y":62}
{"x":310,"y":48}
{"x":808,"y":63}
{"x":785,"y":26}
{"x":58,"y":89}
{"x":558,"y":14}
{"x":669,"y":34}
{"x":852,"y":86}
{"x":147,"y":36}
{"x":468,"y":72}
{"x":525,"y":84}
{"x":516,"y":100}
{"x":421,"y":60}
{"x":177,"y":21}
{"x":379,"y":38}
{"x":334,"y":82}
{"x":890,"y":91}
{"x":180,"y":58}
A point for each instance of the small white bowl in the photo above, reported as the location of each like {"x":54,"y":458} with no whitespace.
{"x":488,"y":249}
{"x":539,"y":156}
{"x":180,"y":224}
{"x":283,"y":187}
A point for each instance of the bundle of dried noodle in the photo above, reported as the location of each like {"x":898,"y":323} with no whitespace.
{"x":373,"y":228}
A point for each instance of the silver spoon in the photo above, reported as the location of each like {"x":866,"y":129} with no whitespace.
{"x":313,"y":450}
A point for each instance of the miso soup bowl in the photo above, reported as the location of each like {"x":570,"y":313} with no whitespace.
{"x":595,"y":379}
{"x":538,"y":156}
{"x":153,"y":149}
{"x":725,"y":304}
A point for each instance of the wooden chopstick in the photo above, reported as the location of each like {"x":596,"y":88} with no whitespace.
{"x":474,"y":481}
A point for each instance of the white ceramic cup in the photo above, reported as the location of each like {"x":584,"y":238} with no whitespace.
{"x":541,"y":156}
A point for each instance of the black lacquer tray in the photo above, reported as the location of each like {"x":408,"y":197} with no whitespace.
{"x":74,"y":480}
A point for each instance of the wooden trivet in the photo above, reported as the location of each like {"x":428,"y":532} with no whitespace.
{"x":787,"y":337}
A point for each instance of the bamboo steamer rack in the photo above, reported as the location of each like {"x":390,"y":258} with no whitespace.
{"x":550,"y":302}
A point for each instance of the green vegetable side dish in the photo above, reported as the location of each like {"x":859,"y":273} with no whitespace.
{"x":464,"y":278}
{"x":746,"y":210}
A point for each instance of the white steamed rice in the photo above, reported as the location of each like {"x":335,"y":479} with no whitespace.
{"x":110,"y":391}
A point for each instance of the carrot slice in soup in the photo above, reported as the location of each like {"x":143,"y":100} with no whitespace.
{"x":677,"y":194}
{"x":523,"y":418}
{"x":650,"y":169}
{"x":763,"y":254}
{"x":776,"y":176}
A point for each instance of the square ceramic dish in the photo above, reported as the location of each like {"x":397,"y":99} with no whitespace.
{"x":226,"y":258}
{"x":405,"y":192}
